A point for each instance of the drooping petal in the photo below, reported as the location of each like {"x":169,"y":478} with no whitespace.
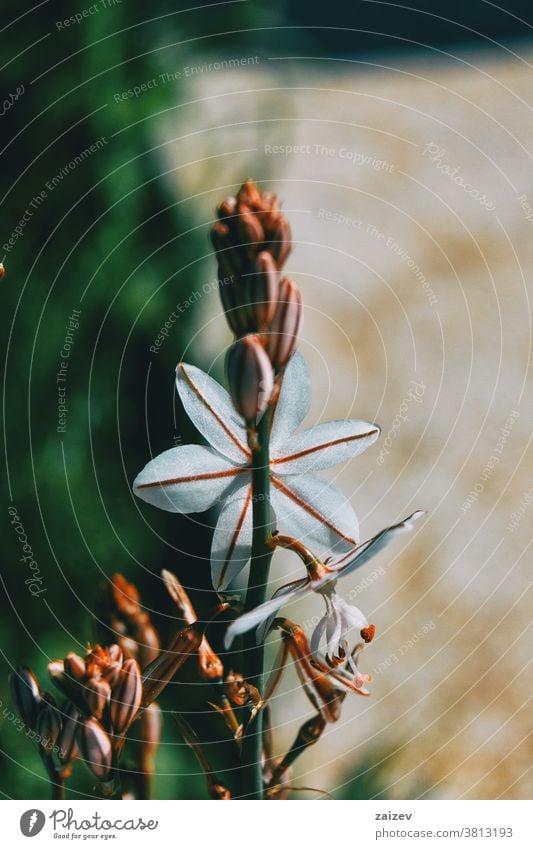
{"x":209,"y":407}
{"x":259,"y":614}
{"x":264,"y":627}
{"x":352,"y":560}
{"x":186,"y":479}
{"x":232,"y":541}
{"x":323,"y":445}
{"x":314,"y":512}
{"x":316,"y":636}
{"x":293,"y":404}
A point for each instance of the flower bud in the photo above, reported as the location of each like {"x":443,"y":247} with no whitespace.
{"x":26,"y":694}
{"x":67,"y":742}
{"x":227,"y":208}
{"x":281,"y":244}
{"x":251,"y":231}
{"x":2,"y":270}
{"x":236,"y":313}
{"x":96,"y":695}
{"x":158,"y":673}
{"x":48,"y":724}
{"x":250,"y":376}
{"x":95,"y":747}
{"x":74,"y":666}
{"x":126,"y":697}
{"x":261,"y":291}
{"x":282,"y":336}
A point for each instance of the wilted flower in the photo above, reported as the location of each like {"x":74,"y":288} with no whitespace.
{"x":209,"y":664}
{"x":192,"y":478}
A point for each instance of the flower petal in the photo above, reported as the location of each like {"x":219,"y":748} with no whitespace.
{"x":324,"y":445}
{"x":232,"y":541}
{"x":314,"y":512}
{"x":352,"y":560}
{"x":294,"y":402}
{"x":186,"y":479}
{"x":264,"y":627}
{"x":259,"y":614}
{"x":209,"y":407}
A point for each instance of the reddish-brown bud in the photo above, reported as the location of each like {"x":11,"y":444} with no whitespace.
{"x":2,"y":270}
{"x":26,"y":694}
{"x":280,"y":244}
{"x":96,"y":695}
{"x":74,"y":666}
{"x":261,"y":291}
{"x":126,"y":697}
{"x":67,"y":740}
{"x":282,"y":336}
{"x":219,"y":791}
{"x":48,"y":724}
{"x":210,"y":666}
{"x":250,"y":377}
{"x":227,"y":208}
{"x":95,"y":747}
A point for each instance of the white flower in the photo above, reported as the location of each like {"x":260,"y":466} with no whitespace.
{"x":192,"y":478}
{"x":340,"y":617}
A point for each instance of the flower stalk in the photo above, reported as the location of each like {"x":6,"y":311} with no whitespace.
{"x":253,"y":653}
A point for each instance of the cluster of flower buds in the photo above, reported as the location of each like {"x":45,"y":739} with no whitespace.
{"x":106,"y":689}
{"x":252,"y":240}
{"x":123,"y":621}
{"x":52,"y":727}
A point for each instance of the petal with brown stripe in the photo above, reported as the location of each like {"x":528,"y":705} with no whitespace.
{"x":209,"y":407}
{"x":314,"y":512}
{"x":232,"y":540}
{"x":186,"y":479}
{"x":324,"y":445}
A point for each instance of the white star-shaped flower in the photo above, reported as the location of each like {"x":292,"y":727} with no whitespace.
{"x":192,"y":478}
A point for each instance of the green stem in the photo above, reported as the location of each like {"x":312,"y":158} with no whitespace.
{"x":253,"y":655}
